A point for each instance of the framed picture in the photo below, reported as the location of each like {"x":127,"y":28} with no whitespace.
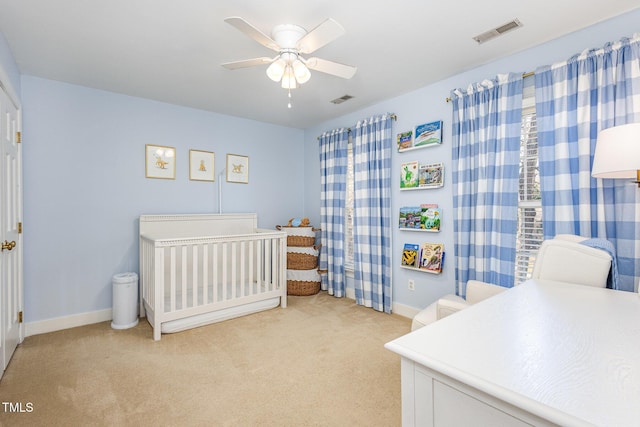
{"x":160,"y":162}
{"x":237,"y":168}
{"x":201,"y":165}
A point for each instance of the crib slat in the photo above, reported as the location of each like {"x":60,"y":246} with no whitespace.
{"x":251,"y":261}
{"x":195,"y":262}
{"x":172,"y":278}
{"x":259,"y":265}
{"x":205,"y":274}
{"x":224,"y":271}
{"x":267,"y":265}
{"x":243,"y":266}
{"x":214,"y":272}
{"x":234,"y":272}
{"x":156,"y":296}
{"x":183,"y":283}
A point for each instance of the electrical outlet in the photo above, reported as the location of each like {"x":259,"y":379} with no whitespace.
{"x":412,"y":285}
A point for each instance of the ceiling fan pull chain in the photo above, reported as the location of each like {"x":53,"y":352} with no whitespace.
{"x":289,"y":104}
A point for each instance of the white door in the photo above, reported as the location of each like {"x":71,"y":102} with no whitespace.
{"x":10,"y":230}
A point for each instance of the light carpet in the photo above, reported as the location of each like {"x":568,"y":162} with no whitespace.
{"x":319,"y":362}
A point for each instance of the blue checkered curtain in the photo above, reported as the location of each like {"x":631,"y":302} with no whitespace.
{"x":574,"y":100}
{"x":333,"y":183}
{"x":372,"y":213}
{"x":486,"y":156}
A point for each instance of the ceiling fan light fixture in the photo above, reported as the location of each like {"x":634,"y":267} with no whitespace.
{"x":289,"y":79}
{"x":301,"y":71}
{"x":275,"y":71}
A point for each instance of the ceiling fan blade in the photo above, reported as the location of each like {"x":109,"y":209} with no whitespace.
{"x":330,"y":67}
{"x":252,"y":32}
{"x":247,"y":63}
{"x":321,"y":35}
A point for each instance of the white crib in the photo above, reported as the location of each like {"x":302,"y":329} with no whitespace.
{"x":205,"y":268}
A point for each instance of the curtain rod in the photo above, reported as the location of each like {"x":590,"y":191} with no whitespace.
{"x":392,"y":115}
{"x":527,"y":74}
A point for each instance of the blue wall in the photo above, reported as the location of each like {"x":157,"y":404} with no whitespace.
{"x":85,"y":185}
{"x":428,"y":104}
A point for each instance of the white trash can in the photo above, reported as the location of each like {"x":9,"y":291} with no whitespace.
{"x":125,"y":301}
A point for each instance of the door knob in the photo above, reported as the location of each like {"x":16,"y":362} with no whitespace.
{"x":8,"y":245}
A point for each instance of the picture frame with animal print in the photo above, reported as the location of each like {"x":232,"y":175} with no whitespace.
{"x":237,"y":168}
{"x":201,"y":165}
{"x":160,"y":162}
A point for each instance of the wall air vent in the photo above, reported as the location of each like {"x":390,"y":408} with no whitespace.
{"x":341,"y":99}
{"x":498,"y":31}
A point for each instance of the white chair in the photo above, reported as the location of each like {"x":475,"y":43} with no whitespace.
{"x":561,"y":259}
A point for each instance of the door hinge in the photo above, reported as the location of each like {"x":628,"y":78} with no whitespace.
{"x":18,"y":137}
{"x":20,"y":316}
{"x":19,"y":228}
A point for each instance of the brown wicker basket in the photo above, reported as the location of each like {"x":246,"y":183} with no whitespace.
{"x":299,"y":236}
{"x":301,"y":288}
{"x":300,"y":241}
{"x":297,"y":261}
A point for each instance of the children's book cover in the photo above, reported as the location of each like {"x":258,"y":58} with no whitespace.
{"x":410,"y":217}
{"x":432,"y":256}
{"x":410,"y":255}
{"x":430,"y":217}
{"x":431,"y":175}
{"x":428,"y":134}
{"x":409,"y":175}
{"x":405,"y":140}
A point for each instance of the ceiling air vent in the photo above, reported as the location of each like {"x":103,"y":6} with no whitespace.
{"x":498,"y":31}
{"x":341,"y":99}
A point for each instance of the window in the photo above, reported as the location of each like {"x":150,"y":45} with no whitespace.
{"x":529,"y":235}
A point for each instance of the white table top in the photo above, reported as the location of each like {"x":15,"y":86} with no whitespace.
{"x":567,"y":353}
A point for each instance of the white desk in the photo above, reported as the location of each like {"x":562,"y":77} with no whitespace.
{"x":542,"y":353}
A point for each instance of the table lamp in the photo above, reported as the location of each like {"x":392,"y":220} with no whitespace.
{"x":618,"y":153}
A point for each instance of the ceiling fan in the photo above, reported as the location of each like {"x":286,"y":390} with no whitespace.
{"x":292,"y":41}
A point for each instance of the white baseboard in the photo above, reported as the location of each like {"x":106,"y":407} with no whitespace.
{"x":399,"y":309}
{"x":404,"y":310}
{"x":60,"y":323}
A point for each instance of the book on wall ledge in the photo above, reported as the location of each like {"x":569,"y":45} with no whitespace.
{"x":409,"y":175}
{"x":432,"y":257}
{"x":410,"y":255}
{"x":430,"y":217}
{"x":410,"y":217}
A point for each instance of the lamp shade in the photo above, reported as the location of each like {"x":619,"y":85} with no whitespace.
{"x":276,"y":69}
{"x":289,"y":79}
{"x":617,"y":152}
{"x":301,"y":71}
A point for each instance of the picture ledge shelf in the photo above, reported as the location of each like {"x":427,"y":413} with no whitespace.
{"x":422,"y":188}
{"x":422,"y":270}
{"x":419,"y":147}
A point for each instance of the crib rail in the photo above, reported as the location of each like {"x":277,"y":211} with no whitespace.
{"x":189,"y":276}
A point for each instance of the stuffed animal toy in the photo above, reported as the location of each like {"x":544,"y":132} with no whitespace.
{"x":297,"y":222}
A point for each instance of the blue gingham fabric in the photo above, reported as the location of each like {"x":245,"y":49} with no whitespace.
{"x":486,"y":156}
{"x":607,"y":246}
{"x":576,"y":99}
{"x":333,"y":183}
{"x":372,"y":212}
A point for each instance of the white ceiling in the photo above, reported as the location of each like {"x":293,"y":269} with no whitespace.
{"x":171,"y":51}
